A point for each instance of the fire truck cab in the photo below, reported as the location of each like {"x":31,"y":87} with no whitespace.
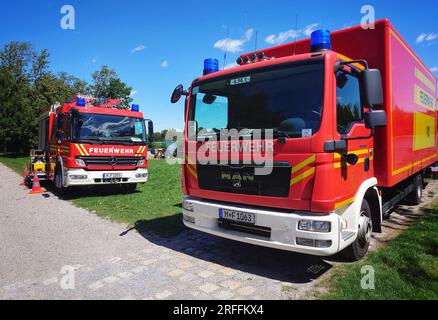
{"x":349,"y":119}
{"x":87,"y":141}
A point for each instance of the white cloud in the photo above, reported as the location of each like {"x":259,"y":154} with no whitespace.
{"x":94,"y":60}
{"x":291,"y":34}
{"x":434,"y":69}
{"x":164,"y":64}
{"x":234,"y":45}
{"x":426,"y":37}
{"x":138,"y":48}
{"x":230,"y":65}
{"x":133,"y":93}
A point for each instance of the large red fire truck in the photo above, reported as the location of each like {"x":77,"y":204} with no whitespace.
{"x":353,"y":120}
{"x":88,"y":141}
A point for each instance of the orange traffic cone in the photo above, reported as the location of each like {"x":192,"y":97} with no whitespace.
{"x":25,"y":175}
{"x":36,"y":187}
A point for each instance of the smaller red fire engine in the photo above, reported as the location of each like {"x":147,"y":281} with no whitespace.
{"x":88,"y":141}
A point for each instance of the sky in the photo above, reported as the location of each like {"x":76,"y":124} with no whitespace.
{"x":155,"y":45}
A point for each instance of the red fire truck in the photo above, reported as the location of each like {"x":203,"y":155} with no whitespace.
{"x":353,"y":121}
{"x":88,"y":141}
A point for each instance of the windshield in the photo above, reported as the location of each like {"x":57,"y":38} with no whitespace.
{"x":287,"y":100}
{"x":102,"y":127}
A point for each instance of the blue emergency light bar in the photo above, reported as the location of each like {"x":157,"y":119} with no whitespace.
{"x":135,"y":108}
{"x":211,"y":66}
{"x":320,"y":40}
{"x":81,"y":102}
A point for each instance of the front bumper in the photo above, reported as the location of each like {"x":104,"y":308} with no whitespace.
{"x":96,"y":177}
{"x":204,"y":216}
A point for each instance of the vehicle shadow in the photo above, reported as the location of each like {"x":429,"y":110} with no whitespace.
{"x":90,"y":191}
{"x":265,"y":262}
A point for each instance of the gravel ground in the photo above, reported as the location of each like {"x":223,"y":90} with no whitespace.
{"x":51,"y":249}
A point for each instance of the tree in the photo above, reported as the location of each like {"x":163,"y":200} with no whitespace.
{"x":107,"y":84}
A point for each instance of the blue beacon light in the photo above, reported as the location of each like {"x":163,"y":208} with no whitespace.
{"x":320,"y":41}
{"x":135,"y":108}
{"x":80,"y":102}
{"x":211,"y":66}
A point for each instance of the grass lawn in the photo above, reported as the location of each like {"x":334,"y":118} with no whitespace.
{"x":406,"y":268}
{"x":155,"y":206}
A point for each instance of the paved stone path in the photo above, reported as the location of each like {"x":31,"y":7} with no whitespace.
{"x":44,"y":241}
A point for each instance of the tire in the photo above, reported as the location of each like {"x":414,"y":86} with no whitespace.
{"x":58,"y":181}
{"x":359,"y":248}
{"x":414,"y":198}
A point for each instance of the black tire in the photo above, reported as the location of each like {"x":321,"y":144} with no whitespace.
{"x":60,"y":190}
{"x":414,"y":198}
{"x":359,"y":248}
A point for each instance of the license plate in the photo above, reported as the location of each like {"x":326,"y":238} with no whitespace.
{"x":112,"y":175}
{"x":237,"y":216}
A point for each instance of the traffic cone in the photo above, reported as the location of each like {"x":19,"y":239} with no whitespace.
{"x":36,"y":187}
{"x":25,"y":175}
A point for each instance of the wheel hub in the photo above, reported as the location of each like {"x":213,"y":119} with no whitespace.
{"x":365,"y":229}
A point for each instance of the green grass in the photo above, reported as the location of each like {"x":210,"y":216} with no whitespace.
{"x":155,"y":206}
{"x":14,"y":162}
{"x":406,"y":268}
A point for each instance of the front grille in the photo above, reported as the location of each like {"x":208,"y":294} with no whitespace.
{"x":111,"y":161}
{"x":257,"y":230}
{"x":242,"y":180}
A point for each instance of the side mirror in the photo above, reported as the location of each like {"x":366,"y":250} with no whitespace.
{"x":375,"y":119}
{"x":150,"y":131}
{"x":372,"y":92}
{"x":178,"y":93}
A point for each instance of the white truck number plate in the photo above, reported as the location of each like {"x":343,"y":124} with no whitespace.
{"x":112,"y":175}
{"x":237,"y":216}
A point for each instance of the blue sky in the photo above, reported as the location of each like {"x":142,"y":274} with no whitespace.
{"x":156,"y":45}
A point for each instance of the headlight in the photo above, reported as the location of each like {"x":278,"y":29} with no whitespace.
{"x":315,"y":226}
{"x":140,"y":162}
{"x":188,"y":206}
{"x":80,"y":162}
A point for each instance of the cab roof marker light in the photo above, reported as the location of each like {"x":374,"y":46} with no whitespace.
{"x":135,"y":108}
{"x":320,"y":40}
{"x":211,"y":66}
{"x":81,"y":102}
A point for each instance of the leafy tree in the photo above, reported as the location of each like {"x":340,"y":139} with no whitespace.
{"x":107,"y":84}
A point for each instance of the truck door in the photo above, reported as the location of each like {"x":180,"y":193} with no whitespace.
{"x":350,"y":125}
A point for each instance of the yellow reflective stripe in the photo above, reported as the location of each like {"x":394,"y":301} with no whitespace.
{"x":79,"y":149}
{"x":356,"y":152}
{"x":337,"y":165}
{"x":192,"y":172}
{"x":302,"y":176}
{"x":140,"y":150}
{"x":85,"y":150}
{"x":301,"y":165}
{"x":344,"y":203}
{"x":410,"y":166}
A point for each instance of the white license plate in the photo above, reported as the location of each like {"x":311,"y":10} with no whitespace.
{"x":112,"y":175}
{"x":237,"y":216}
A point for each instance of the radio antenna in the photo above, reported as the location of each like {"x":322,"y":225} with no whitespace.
{"x":226,"y":47}
{"x":296,"y":34}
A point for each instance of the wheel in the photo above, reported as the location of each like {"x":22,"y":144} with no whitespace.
{"x":359,"y":248}
{"x":58,"y":181}
{"x":414,"y":198}
{"x":129,"y":188}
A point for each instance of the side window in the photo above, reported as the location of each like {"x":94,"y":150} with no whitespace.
{"x":67,"y":128}
{"x":348,"y":104}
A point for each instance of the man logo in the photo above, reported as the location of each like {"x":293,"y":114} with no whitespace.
{"x":113,"y":161}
